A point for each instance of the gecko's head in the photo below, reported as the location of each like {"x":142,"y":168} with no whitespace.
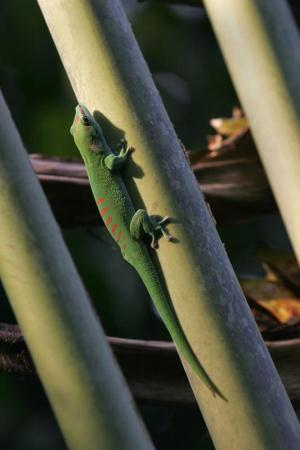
{"x":86,"y":132}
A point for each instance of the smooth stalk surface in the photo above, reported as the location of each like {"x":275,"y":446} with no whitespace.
{"x":86,"y":390}
{"x":108,"y":74}
{"x":261,"y":46}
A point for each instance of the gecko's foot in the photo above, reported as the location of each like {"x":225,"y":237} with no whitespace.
{"x":154,"y":243}
{"x":160,"y":227}
{"x":142,"y":224}
{"x":164,"y":220}
{"x":128,"y":151}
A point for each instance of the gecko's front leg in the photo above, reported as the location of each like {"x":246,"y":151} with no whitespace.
{"x":116,"y":162}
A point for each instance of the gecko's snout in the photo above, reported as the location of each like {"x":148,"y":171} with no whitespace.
{"x":84,"y":115}
{"x":81,"y":109}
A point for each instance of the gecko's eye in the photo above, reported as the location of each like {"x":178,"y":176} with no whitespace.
{"x":86,"y":121}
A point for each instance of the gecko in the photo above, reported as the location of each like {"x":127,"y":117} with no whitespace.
{"x":127,"y":226}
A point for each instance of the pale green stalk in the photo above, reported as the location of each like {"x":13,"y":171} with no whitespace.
{"x":85,"y":388}
{"x":108,"y":74}
{"x":261,"y":46}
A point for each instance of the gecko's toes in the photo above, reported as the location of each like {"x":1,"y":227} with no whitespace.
{"x":167,"y":236}
{"x":164,"y":220}
{"x":154,"y":243}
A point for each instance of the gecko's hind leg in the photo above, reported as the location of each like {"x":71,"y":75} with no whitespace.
{"x":142,"y":223}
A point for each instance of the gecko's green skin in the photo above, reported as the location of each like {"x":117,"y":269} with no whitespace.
{"x":126,"y":226}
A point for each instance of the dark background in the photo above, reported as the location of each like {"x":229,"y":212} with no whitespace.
{"x":183,"y":56}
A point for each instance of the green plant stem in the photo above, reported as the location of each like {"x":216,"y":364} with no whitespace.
{"x":86,"y":390}
{"x":108,"y":74}
{"x":261,"y":45}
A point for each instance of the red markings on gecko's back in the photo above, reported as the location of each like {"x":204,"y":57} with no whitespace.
{"x":108,"y":221}
{"x":103,"y":211}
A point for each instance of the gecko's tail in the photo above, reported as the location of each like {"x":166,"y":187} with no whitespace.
{"x":168,"y":315}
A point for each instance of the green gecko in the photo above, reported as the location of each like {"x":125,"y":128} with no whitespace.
{"x":128,"y":227}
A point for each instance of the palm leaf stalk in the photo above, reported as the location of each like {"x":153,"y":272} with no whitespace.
{"x":261,"y":46}
{"x":84,"y":385}
{"x":109,"y":75}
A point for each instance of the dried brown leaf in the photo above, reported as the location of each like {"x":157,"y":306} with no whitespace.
{"x":229,"y":126}
{"x":274,"y":296}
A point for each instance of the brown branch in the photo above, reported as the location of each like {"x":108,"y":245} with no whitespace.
{"x":66,"y":186}
{"x":233,"y":179}
{"x":234,"y":185}
{"x":177,"y":2}
{"x":152,"y":369}
{"x":294,"y":4}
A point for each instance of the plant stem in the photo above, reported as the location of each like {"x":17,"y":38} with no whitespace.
{"x":108,"y":74}
{"x":261,"y":46}
{"x":169,"y":387}
{"x":70,"y":352}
